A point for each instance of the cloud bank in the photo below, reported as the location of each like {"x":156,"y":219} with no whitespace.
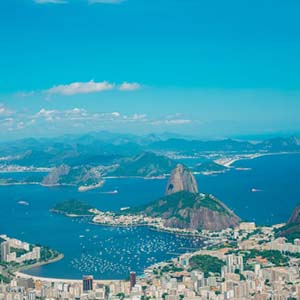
{"x":51,"y":1}
{"x":89,"y":1}
{"x":76,"y":88}
{"x":106,"y":1}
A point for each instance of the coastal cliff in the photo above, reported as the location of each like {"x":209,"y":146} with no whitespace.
{"x":82,"y":176}
{"x":292,"y":229}
{"x":295,"y":217}
{"x":181,"y":179}
{"x":183,"y":207}
{"x":187,"y":210}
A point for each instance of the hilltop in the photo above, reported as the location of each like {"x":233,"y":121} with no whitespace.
{"x":183,"y":207}
{"x":146,"y":164}
{"x":209,"y":166}
{"x":73,"y":208}
{"x":181,"y":179}
{"x":292,"y":229}
{"x":79,"y":176}
{"x":191,"y":211}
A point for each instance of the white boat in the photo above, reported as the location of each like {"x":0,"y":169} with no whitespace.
{"x":111,"y":192}
{"x":124,"y":208}
{"x":23,"y":203}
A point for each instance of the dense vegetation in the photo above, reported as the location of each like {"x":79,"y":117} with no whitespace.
{"x":48,"y":254}
{"x":181,"y":200}
{"x":273,"y":256}
{"x":209,"y":166}
{"x":73,"y":207}
{"x":19,"y":252}
{"x":290,"y":232}
{"x":207,"y":264}
{"x":4,"y":279}
{"x":146,"y":164}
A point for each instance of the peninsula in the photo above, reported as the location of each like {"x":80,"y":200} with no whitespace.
{"x":73,"y":208}
{"x":183,"y":209}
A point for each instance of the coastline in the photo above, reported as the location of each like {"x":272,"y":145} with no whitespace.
{"x":173,"y":231}
{"x":228,"y":162}
{"x":80,"y":188}
{"x":59,"y":280}
{"x":42,"y":263}
{"x":85,"y":188}
{"x":69,"y":215}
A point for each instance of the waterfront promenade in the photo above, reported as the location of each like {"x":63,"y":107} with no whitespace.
{"x":59,"y":280}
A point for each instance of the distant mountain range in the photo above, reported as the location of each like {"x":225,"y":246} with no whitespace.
{"x":290,"y":144}
{"x":108,"y":148}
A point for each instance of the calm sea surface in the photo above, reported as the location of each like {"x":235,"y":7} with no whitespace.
{"x":110,"y":253}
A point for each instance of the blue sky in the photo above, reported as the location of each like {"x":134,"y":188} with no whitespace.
{"x":206,"y":68}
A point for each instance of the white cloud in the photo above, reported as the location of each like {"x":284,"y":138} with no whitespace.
{"x":4,"y":111}
{"x":91,"y":87}
{"x":80,"y":114}
{"x":127,"y":86}
{"x":172,"y":122}
{"x":116,"y":114}
{"x":106,"y":1}
{"x":81,"y":88}
{"x":51,"y":1}
{"x":177,"y":122}
{"x":136,"y":117}
{"x":48,"y":115}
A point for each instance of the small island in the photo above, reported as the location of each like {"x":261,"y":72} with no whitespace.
{"x":73,"y":208}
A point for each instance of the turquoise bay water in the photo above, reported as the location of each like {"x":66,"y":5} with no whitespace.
{"x":110,"y":253}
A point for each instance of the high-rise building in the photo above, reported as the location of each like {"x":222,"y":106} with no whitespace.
{"x":132,"y":279}
{"x":5,"y":251}
{"x":87,"y":283}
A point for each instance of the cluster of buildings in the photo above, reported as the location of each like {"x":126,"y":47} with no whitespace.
{"x":112,"y":219}
{"x":239,"y":277}
{"x":13,"y":250}
{"x":7,"y":168}
{"x":281,"y":245}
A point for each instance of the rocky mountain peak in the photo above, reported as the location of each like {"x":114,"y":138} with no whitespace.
{"x":181,"y":179}
{"x":295,"y":217}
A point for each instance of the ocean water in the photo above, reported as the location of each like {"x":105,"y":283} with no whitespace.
{"x":110,"y":253}
{"x":276,"y":179}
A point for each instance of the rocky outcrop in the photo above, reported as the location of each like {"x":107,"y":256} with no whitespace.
{"x":183,"y":207}
{"x":295,"y":217}
{"x":181,"y":179}
{"x":78,"y":176}
{"x":292,"y":229}
{"x":193,"y":211}
{"x":55,"y":175}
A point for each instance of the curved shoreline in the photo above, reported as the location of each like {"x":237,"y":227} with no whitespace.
{"x":59,"y":280}
{"x":154,"y":228}
{"x":42,"y":263}
{"x":20,"y":274}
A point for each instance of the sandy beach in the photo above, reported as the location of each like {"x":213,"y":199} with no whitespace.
{"x":59,"y":280}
